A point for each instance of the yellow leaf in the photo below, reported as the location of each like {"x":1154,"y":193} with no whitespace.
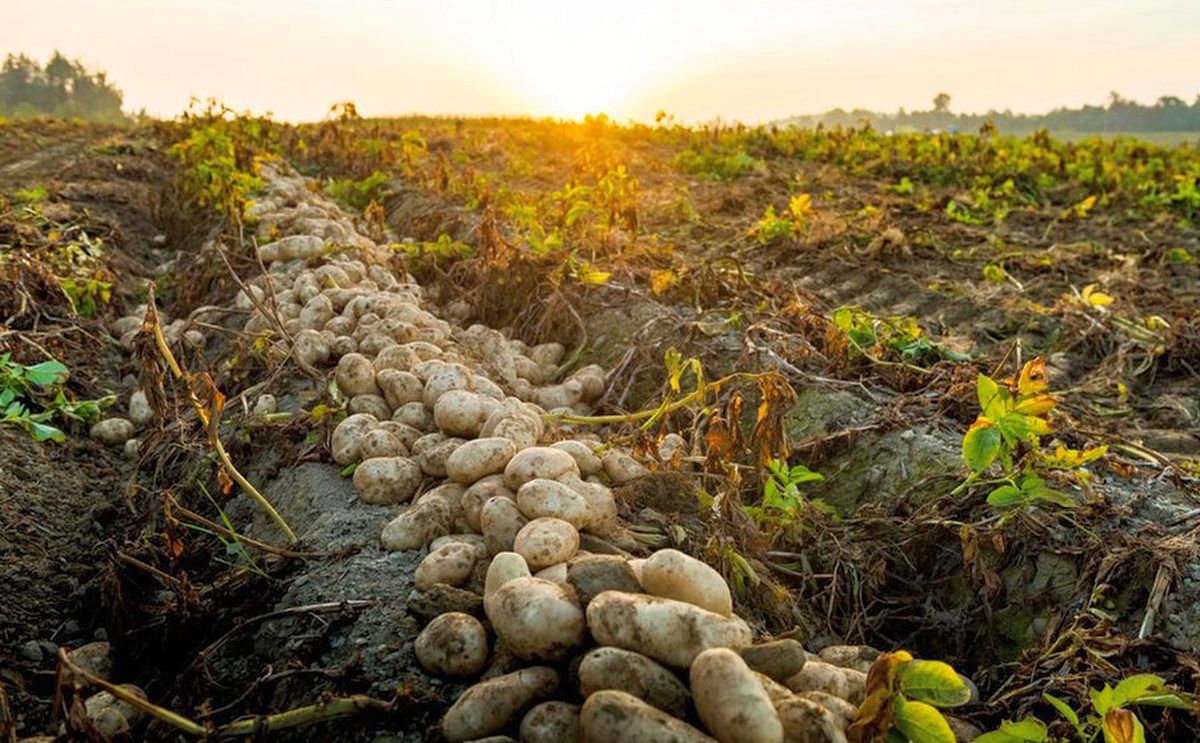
{"x":1036,"y":405}
{"x":661,"y":281}
{"x":1095,"y":298}
{"x":1033,"y":379}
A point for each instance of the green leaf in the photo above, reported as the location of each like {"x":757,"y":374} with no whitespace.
{"x":921,"y":722}
{"x":46,"y":373}
{"x":934,"y":682}
{"x":43,"y":432}
{"x":1102,"y":699}
{"x":1063,"y":708}
{"x":1005,"y":495}
{"x":980,"y":447}
{"x":1029,"y":730}
{"x":1146,"y":688}
{"x":993,"y":400}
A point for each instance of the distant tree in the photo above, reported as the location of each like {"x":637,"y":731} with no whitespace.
{"x":941,"y":102}
{"x":63,"y":88}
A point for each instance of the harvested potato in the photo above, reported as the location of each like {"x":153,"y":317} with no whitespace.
{"x":450,"y":564}
{"x":546,"y":354}
{"x":453,"y":644}
{"x":477,"y":459}
{"x":858,"y":657}
{"x":112,"y":431}
{"x":805,"y":721}
{"x":346,"y":441}
{"x":371,"y":404}
{"x":488,"y":707}
{"x":779,"y":659}
{"x":845,"y":683}
{"x":401,"y":358}
{"x":556,"y":574}
{"x":355,"y":375}
{"x":546,"y":541}
{"x":730,"y":700}
{"x":500,"y":520}
{"x":462,"y":412}
{"x":555,"y":396}
{"x":477,"y":494}
{"x":475,"y":540}
{"x":668,"y":631}
{"x":505,"y":566}
{"x":585,"y":458}
{"x":448,"y":377}
{"x":625,"y":670}
{"x":414,"y":414}
{"x":551,"y":722}
{"x":672,"y":574}
{"x":536,"y":619}
{"x":432,"y":459}
{"x":423,"y":522}
{"x":522,"y":430}
{"x":406,"y":434}
{"x":776,"y":691}
{"x":380,"y":442}
{"x":538,"y":462}
{"x":593,"y":381}
{"x":399,"y":387}
{"x":622,"y":468}
{"x":140,"y":412}
{"x":612,"y":716}
{"x":111,"y":717}
{"x":845,"y":712}
{"x":387,"y":480}
{"x":546,"y":498}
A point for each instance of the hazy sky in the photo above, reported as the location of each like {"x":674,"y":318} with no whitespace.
{"x":752,"y":60}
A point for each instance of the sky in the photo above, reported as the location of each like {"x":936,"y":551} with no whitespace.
{"x":747,"y":60}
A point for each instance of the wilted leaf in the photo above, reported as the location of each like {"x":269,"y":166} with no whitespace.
{"x":1122,"y":726}
{"x":1033,"y":378}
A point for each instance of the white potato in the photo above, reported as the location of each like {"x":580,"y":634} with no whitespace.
{"x":453,"y":644}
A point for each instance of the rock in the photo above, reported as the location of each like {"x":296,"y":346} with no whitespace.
{"x":591,"y":575}
{"x":779,"y":659}
{"x":441,"y":599}
{"x":140,"y":412}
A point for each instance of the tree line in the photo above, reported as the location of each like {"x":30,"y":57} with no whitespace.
{"x":61,"y":88}
{"x":1168,"y":114}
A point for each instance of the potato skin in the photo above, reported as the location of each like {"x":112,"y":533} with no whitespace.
{"x":844,"y":683}
{"x":479,"y":458}
{"x":551,"y":722}
{"x":668,"y":631}
{"x":730,"y":700}
{"x":487,"y":707}
{"x":625,"y":670}
{"x":672,"y":574}
{"x":538,"y":462}
{"x":453,"y":644}
{"x":536,"y":619}
{"x":546,"y":541}
{"x":387,"y":480}
{"x":612,"y":716}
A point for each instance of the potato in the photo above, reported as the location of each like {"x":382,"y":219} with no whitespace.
{"x":387,"y":480}
{"x":265,"y":405}
{"x":842,"y":710}
{"x":477,"y":494}
{"x":474,"y":540}
{"x":94,"y":657}
{"x":668,"y":631}
{"x":730,"y":701}
{"x":546,"y":498}
{"x":449,"y":377}
{"x":621,"y":468}
{"x":406,"y":434}
{"x":602,"y":517}
{"x":805,"y":721}
{"x":592,"y":380}
{"x":591,"y":575}
{"x":308,"y":346}
{"x":372,"y":404}
{"x":505,"y":566}
{"x":612,"y":716}
{"x":546,"y":354}
{"x":414,"y":414}
{"x":424,"y":521}
{"x":400,"y":358}
{"x":529,"y":370}
{"x":672,"y":574}
{"x":316,"y":312}
{"x":844,"y":683}
{"x":585,"y":458}
{"x":562,"y":395}
{"x":779,"y":659}
{"x":347,"y":437}
{"x":500,"y":520}
{"x":522,"y":430}
{"x":624,"y":670}
{"x":858,"y":657}
{"x":486,"y":387}
{"x":546,"y":541}
{"x":110,"y":717}
{"x":341,"y":345}
{"x":399,"y":387}
{"x":450,"y":564}
{"x":538,"y":461}
{"x":432,"y":459}
{"x":112,"y":431}
{"x":511,"y":407}
{"x":488,"y":707}
{"x":776,"y":691}
{"x":536,"y":619}
{"x":551,"y":722}
{"x":355,"y":375}
{"x":453,"y":644}
{"x":462,"y":413}
{"x":380,"y":442}
{"x":556,"y":574}
{"x":477,"y":459}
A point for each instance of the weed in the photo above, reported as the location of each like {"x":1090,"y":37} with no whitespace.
{"x":898,"y":338}
{"x":30,"y":396}
{"x":903,"y":700}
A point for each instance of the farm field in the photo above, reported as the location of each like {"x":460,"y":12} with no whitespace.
{"x":916,"y":417}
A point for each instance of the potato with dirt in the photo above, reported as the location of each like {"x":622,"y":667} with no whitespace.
{"x":450,"y":564}
{"x":538,"y":462}
{"x":668,"y":631}
{"x":672,"y":574}
{"x":500,"y":521}
{"x":613,"y":716}
{"x":625,"y":670}
{"x":454,"y":644}
{"x":483,"y":489}
{"x":475,"y":460}
{"x":540,"y":498}
{"x":355,"y":375}
{"x":488,"y":707}
{"x":730,"y":701}
{"x":551,"y":722}
{"x":844,"y":683}
{"x":346,"y":443}
{"x":546,"y":541}
{"x":387,"y":480}
{"x":536,"y":619}
{"x":805,"y":721}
